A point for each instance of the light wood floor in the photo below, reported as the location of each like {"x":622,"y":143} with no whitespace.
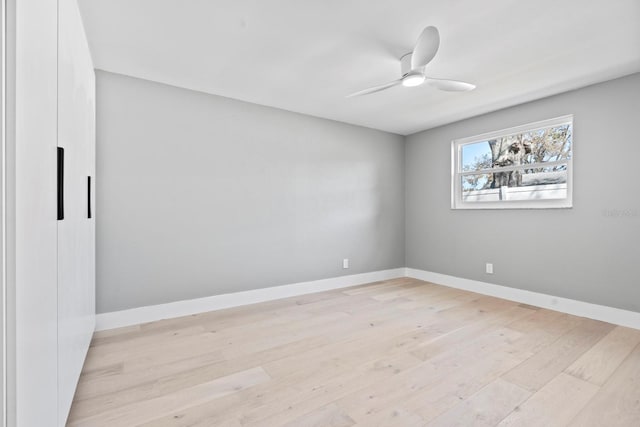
{"x":396,"y":353}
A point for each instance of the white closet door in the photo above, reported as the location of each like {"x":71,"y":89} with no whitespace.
{"x":35,"y":26}
{"x":76,"y":249}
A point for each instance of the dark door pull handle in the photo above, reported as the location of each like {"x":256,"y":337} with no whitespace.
{"x":89,"y":197}
{"x":60,"y":183}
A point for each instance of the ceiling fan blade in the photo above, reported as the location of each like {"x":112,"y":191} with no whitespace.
{"x":376,"y":88}
{"x":450,"y":85}
{"x":426,"y":47}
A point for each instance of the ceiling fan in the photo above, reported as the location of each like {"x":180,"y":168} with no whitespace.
{"x":412,"y":66}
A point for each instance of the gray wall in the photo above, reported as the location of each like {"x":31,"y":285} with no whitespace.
{"x":589,"y":253}
{"x":200,"y":195}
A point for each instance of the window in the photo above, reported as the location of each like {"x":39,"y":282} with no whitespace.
{"x":523,"y":167}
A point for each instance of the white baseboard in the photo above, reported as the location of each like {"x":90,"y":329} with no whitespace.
{"x":578,"y":308}
{"x":134,"y":316}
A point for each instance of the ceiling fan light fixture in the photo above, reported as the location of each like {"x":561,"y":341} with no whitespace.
{"x":413,"y":79}
{"x":412,"y":68}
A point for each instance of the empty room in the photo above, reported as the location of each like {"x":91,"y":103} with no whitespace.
{"x":320,"y":213}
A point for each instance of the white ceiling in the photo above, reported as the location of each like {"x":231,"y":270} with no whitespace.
{"x":305,"y":56}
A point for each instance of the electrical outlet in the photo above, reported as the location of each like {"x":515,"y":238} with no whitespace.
{"x":489,"y":268}
{"x":345,"y":263}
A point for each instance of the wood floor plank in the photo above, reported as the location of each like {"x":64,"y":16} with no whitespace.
{"x":486,"y":408}
{"x":536,"y":371}
{"x":408,"y":290}
{"x":219,"y":361}
{"x":617,"y":403}
{"x":465,"y":380}
{"x":143,"y":385}
{"x":553,"y":405}
{"x":327,"y":366}
{"x":439,"y":300}
{"x":327,"y":416}
{"x":597,"y":364}
{"x":395,"y":416}
{"x":467,"y":332}
{"x":543,"y":328}
{"x":437,"y":384}
{"x":207,"y":366}
{"x":327,"y":373}
{"x":400,"y":352}
{"x":146,"y":410}
{"x":180,"y":347}
{"x":308,"y":395}
{"x":542,"y":320}
{"x":288,"y":398}
{"x":123,"y":333}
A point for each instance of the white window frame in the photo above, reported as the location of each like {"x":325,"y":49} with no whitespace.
{"x":456,"y":169}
